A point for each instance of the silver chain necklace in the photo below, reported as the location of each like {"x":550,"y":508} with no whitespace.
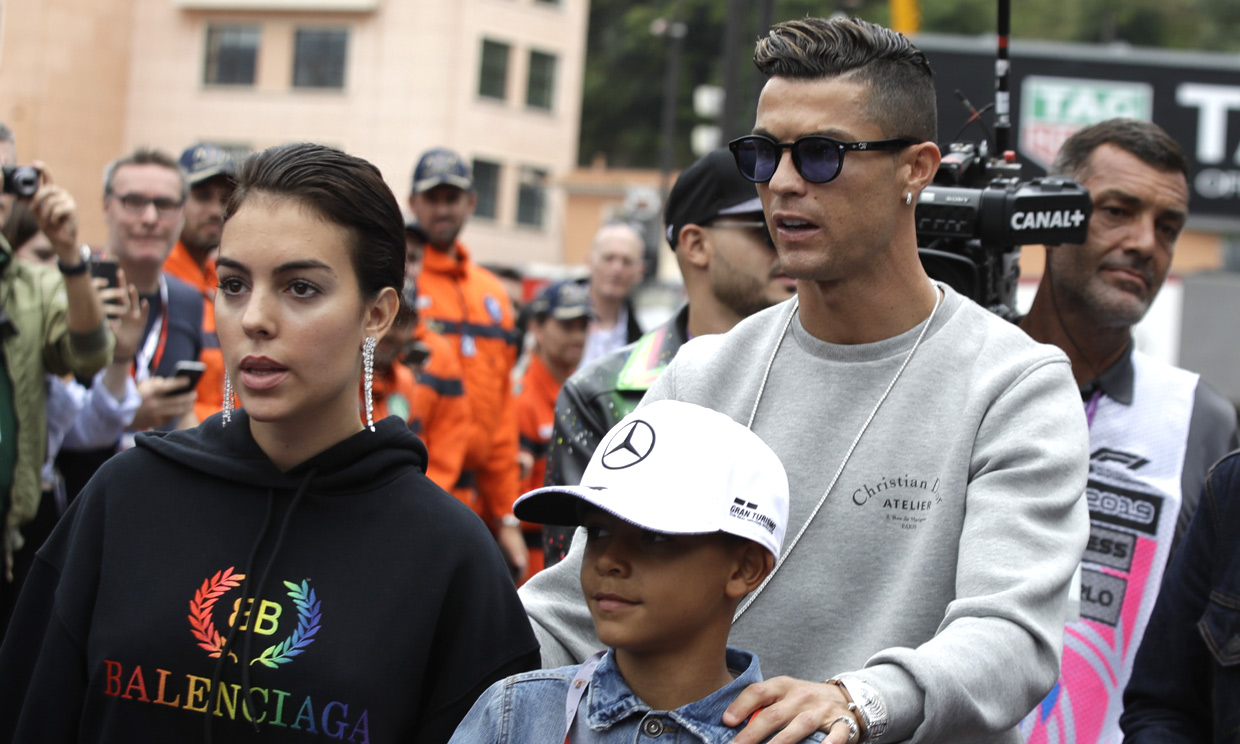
{"x":847,"y":455}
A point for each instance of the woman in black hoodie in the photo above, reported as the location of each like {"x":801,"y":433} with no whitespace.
{"x":284,"y":572}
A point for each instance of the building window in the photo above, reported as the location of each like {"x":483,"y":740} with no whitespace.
{"x":531,"y":197}
{"x":232,"y":55}
{"x":493,"y":77}
{"x":541,"y":88}
{"x":319,"y":56}
{"x":486,"y":185}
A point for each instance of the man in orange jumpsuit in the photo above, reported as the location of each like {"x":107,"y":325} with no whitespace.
{"x":559,"y":323}
{"x":418,"y":378}
{"x":468,"y":305}
{"x":210,"y":172}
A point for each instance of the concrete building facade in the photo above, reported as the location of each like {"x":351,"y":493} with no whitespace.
{"x":83,"y":81}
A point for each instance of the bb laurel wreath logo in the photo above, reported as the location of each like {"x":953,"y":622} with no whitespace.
{"x":202,"y":623}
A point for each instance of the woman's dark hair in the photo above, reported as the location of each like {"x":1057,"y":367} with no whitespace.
{"x":342,"y":189}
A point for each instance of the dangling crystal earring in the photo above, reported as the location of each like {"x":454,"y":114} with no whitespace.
{"x":368,"y":366}
{"x":228,"y":400}
{"x":908,"y":197}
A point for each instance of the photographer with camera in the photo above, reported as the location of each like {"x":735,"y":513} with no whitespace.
{"x":51,"y":323}
{"x":1154,"y":429}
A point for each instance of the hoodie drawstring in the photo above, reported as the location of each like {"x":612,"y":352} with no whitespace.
{"x":217,"y":675}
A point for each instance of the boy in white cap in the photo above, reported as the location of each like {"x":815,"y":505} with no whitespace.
{"x":685,"y":512}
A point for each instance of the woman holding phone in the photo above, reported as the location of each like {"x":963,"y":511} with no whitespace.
{"x":285,"y":566}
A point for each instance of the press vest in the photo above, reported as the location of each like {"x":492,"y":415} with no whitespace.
{"x":1136,"y":463}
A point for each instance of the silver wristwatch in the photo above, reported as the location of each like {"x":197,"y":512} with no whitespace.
{"x":869,"y":706}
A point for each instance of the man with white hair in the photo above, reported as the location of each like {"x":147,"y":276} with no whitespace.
{"x":616,"y":268}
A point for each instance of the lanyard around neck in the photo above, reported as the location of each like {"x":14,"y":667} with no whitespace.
{"x":147,"y":359}
{"x":1091,"y":408}
{"x":577,"y":690}
{"x":938,"y":300}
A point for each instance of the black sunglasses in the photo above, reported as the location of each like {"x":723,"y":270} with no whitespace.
{"x":817,"y":158}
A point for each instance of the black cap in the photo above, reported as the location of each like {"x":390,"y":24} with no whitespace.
{"x":438,"y":167}
{"x":203,"y":162}
{"x":563,"y":301}
{"x":712,"y":187}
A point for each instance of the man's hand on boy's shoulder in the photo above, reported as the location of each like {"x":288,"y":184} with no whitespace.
{"x":788,"y":711}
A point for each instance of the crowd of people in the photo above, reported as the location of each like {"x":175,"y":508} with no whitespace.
{"x":831,"y":499}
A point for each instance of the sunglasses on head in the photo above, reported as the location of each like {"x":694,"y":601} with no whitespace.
{"x":817,"y":158}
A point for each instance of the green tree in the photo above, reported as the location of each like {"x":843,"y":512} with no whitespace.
{"x":626,"y":63}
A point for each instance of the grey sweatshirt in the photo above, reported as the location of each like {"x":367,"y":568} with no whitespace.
{"x":938,"y":567}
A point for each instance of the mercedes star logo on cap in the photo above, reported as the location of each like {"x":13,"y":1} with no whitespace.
{"x":629,"y":446}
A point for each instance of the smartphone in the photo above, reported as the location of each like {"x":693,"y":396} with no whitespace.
{"x":105,"y":268}
{"x":191,"y":371}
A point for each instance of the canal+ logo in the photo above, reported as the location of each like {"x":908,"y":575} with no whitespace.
{"x":1051,"y":219}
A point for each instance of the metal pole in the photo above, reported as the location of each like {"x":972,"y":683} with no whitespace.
{"x":766,"y":18}
{"x":671,"y":85}
{"x":734,"y":28}
{"x":1003,"y":68}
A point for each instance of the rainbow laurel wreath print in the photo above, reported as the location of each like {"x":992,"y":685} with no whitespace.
{"x":200,"y":622}
{"x":307,"y":625}
{"x":202,"y":626}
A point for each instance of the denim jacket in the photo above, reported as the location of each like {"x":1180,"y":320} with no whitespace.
{"x":1185,"y":684}
{"x":529,"y":709}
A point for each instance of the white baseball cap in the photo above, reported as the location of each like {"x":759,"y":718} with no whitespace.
{"x":677,"y":468}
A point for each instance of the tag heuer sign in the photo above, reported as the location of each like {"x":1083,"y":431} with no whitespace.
{"x":1052,"y":108}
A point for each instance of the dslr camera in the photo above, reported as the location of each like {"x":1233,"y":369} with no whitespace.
{"x":21,"y":180}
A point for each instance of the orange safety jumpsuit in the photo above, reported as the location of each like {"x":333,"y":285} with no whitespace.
{"x":430,"y":398}
{"x":467,"y":305}
{"x":440,"y":412}
{"x":535,"y":422}
{"x":211,"y":386}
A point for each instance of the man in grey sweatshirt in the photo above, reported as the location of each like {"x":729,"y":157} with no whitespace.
{"x":936,"y":455}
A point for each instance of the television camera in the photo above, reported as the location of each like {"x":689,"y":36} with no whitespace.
{"x":974,"y":218}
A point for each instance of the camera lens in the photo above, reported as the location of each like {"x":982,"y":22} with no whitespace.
{"x":26,"y":181}
{"x":22,"y":180}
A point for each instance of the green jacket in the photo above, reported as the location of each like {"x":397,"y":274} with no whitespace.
{"x":34,"y":299}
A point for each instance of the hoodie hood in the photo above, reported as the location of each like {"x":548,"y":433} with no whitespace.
{"x":230,"y":453}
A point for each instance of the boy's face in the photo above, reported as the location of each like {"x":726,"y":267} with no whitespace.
{"x":651,"y":592}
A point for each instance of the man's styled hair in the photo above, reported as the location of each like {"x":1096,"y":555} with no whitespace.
{"x":1145,"y":140}
{"x":144,"y":156}
{"x":897,"y":74}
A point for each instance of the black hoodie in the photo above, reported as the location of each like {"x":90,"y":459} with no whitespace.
{"x":378,"y":607}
